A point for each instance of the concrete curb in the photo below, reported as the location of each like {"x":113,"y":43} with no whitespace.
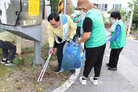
{"x":69,"y":82}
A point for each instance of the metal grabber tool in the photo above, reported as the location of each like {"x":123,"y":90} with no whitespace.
{"x":44,"y":68}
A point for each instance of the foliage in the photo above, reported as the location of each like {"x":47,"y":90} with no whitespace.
{"x":135,"y":15}
{"x":72,"y":7}
{"x":24,"y":75}
{"x":122,"y":12}
{"x":54,"y":5}
{"x":104,"y":19}
{"x":17,"y":61}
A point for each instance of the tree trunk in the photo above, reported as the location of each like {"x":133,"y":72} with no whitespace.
{"x":68,"y":2}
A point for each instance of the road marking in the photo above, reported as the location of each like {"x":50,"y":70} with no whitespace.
{"x":69,"y":82}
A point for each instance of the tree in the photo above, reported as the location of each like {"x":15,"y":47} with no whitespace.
{"x":54,"y":5}
{"x":72,"y":7}
{"x":135,"y":15}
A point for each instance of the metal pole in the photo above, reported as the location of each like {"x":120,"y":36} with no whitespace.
{"x":64,"y":6}
{"x":37,"y":53}
{"x":61,"y":6}
{"x":131,"y":18}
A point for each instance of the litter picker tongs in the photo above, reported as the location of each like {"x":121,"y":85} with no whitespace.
{"x":44,"y":68}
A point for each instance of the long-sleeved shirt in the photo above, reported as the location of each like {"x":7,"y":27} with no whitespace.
{"x":117,"y":32}
{"x":53,"y":32}
{"x":16,"y":40}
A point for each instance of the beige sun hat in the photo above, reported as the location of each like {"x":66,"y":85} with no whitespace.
{"x":86,"y":4}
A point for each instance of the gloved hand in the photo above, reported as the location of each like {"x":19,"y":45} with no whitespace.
{"x":51,"y":50}
{"x":70,"y":39}
{"x":107,"y":42}
{"x":77,"y":44}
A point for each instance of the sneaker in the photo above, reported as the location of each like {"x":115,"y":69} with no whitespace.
{"x":58,"y":71}
{"x":73,"y":71}
{"x":107,"y":64}
{"x":94,"y":81}
{"x":3,"y":61}
{"x":9,"y":63}
{"x":82,"y":81}
{"x":112,"y":68}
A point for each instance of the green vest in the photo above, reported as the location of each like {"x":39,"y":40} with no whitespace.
{"x":120,"y":41}
{"x":74,"y":19}
{"x":80,"y":22}
{"x":98,"y":36}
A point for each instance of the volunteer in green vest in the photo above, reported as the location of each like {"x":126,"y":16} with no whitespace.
{"x":60,"y":29}
{"x":94,"y":37}
{"x":74,"y":19}
{"x":117,"y":41}
{"x":79,"y":25}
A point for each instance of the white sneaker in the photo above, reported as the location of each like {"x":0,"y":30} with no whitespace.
{"x":9,"y":64}
{"x":95,"y":82}
{"x":83,"y":82}
{"x":2,"y":61}
{"x":58,"y":71}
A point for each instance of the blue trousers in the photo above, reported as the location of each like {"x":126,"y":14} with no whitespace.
{"x":8,"y":46}
{"x":59,"y":51}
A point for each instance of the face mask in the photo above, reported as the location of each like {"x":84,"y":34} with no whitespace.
{"x":113,"y":21}
{"x":59,"y":25}
{"x":83,"y":14}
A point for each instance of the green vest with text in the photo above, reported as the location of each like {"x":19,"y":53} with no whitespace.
{"x":98,"y":36}
{"x":120,"y":41}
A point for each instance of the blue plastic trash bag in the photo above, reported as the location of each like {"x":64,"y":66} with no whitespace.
{"x":71,"y":59}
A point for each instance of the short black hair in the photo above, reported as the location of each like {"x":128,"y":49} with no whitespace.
{"x":116,"y":14}
{"x":55,"y":16}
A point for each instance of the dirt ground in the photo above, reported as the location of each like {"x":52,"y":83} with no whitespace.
{"x":23,"y":77}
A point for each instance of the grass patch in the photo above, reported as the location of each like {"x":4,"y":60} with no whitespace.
{"x":27,"y":73}
{"x":4,"y":70}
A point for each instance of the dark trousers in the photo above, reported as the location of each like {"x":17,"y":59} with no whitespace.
{"x":114,"y":57}
{"x":8,"y":46}
{"x":59,"y":51}
{"x":78,"y":31}
{"x":94,"y":57}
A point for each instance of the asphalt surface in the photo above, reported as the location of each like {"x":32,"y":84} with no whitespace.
{"x":125,"y":79}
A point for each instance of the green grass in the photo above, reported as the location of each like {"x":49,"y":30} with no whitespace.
{"x":4,"y":70}
{"x":0,"y":53}
{"x":28,"y":69}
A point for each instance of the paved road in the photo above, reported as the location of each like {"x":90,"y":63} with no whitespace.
{"x":125,"y":79}
{"x":131,"y":51}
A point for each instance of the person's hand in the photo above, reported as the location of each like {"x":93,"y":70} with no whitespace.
{"x":51,"y":50}
{"x":108,"y":42}
{"x":70,"y":39}
{"x":77,"y":44}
